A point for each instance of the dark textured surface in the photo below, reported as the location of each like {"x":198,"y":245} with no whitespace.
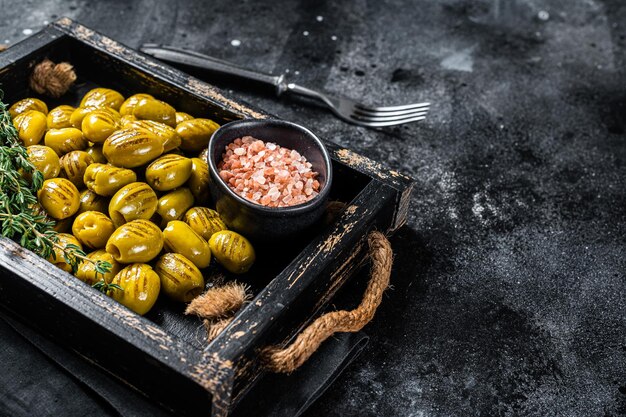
{"x":510,"y":281}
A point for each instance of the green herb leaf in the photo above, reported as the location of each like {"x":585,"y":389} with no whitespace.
{"x":20,"y":216}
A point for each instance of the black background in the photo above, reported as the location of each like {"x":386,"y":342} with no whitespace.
{"x":509,"y":289}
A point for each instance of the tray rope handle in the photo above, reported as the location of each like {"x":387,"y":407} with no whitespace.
{"x":218,"y":305}
{"x":290,"y":358}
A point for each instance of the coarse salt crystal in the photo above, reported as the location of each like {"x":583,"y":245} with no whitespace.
{"x":268,"y":174}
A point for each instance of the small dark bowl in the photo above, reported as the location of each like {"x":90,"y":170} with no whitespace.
{"x":254,"y":220}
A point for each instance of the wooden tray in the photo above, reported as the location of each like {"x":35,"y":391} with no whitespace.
{"x":165,"y":354}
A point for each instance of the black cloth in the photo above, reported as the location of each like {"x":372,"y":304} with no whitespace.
{"x":45,"y":379}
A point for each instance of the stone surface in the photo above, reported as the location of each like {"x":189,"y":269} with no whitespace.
{"x":509,"y":290}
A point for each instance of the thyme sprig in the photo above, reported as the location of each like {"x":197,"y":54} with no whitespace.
{"x":19,"y":214}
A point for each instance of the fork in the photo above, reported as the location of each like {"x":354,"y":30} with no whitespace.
{"x":344,"y":108}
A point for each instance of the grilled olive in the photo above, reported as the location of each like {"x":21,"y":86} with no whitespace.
{"x":98,"y":125}
{"x":140,"y":287}
{"x":73,"y":166}
{"x":60,"y":226}
{"x":157,"y":110}
{"x":181,"y":280}
{"x":93,"y":229}
{"x":65,"y":140}
{"x":136,"y":241}
{"x":203,"y":155}
{"x":107,"y":179}
{"x":102,"y":97}
{"x":199,"y":180}
{"x":182,"y":116}
{"x":167,"y":134}
{"x":58,"y":258}
{"x":31,"y":126}
{"x":26,"y":104}
{"x":204,"y":221}
{"x":131,"y":102}
{"x":76,"y":119}
{"x":133,"y":201}
{"x":173,"y":205}
{"x":59,"y":117}
{"x":130,"y":148}
{"x":87,"y":270}
{"x":45,"y":160}
{"x":180,"y":238}
{"x":96,"y":154}
{"x":90,"y":201}
{"x":59,"y":197}
{"x":233,"y":251}
{"x":195,"y":133}
{"x":168,"y":172}
{"x":127,"y":119}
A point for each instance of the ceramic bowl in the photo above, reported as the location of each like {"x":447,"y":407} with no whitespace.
{"x":253,"y":220}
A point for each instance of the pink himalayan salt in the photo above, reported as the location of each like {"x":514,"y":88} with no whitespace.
{"x":268,"y":174}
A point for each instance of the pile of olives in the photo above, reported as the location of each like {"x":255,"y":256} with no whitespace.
{"x":121,"y":181}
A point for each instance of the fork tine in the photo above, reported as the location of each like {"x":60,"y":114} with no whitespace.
{"x":388,"y":123}
{"x":360,"y":111}
{"x":396,"y":118}
{"x":392,"y":108}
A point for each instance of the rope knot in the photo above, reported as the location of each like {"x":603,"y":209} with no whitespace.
{"x":52,"y":79}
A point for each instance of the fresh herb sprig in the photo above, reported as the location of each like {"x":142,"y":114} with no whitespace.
{"x":19,"y":214}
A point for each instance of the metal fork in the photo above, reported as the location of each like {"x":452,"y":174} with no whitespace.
{"x":345,"y":109}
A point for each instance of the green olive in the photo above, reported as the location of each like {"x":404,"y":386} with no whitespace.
{"x":233,"y":251}
{"x":98,"y":125}
{"x":181,"y":280}
{"x":127,"y":119}
{"x":203,"y":155}
{"x":182,"y":116}
{"x":168,"y":172}
{"x":93,"y":229}
{"x":157,"y":110}
{"x":140,"y":287}
{"x":131,"y":102}
{"x":65,"y":140}
{"x":58,"y":259}
{"x":204,"y":221}
{"x":87,"y":270}
{"x":180,"y":238}
{"x":90,"y":201}
{"x":130,"y":148}
{"x":26,"y":104}
{"x":102,"y":97}
{"x":195,"y":133}
{"x":133,"y":201}
{"x":167,"y":134}
{"x":76,"y":119}
{"x":31,"y":126}
{"x":60,"y":226}
{"x":73,"y":166}
{"x":107,"y":179}
{"x":199,"y":180}
{"x":173,"y":205}
{"x":45,"y":160}
{"x":136,"y":241}
{"x":96,"y":154}
{"x":59,"y":197}
{"x":59,"y":117}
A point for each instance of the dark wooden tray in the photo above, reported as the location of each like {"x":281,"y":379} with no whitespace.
{"x":165,"y":354}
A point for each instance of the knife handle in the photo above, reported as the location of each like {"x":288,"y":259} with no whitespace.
{"x":197,"y":60}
